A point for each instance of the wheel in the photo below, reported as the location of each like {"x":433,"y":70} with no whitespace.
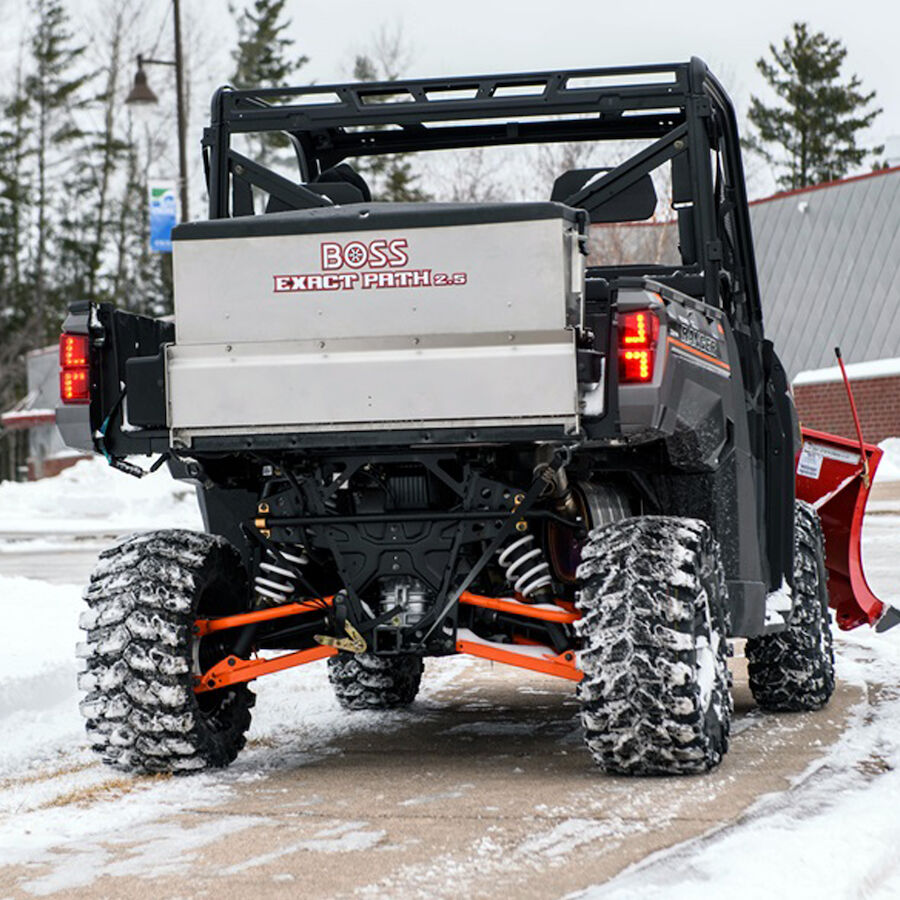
{"x":656,"y":693}
{"x":793,"y":670}
{"x":141,"y":712}
{"x":366,"y":681}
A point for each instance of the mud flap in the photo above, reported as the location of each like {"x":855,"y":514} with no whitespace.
{"x":832,"y":477}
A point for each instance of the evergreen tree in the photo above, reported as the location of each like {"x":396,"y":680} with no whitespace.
{"x":391,"y":176}
{"x":15,"y":308}
{"x":14,"y":207}
{"x":812,"y":132}
{"x":263,"y":59}
{"x":54,"y":91}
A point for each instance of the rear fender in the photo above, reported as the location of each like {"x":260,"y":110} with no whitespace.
{"x":831,"y":476}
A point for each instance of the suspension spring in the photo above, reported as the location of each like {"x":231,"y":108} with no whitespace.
{"x":526,"y":569}
{"x":277,"y":579}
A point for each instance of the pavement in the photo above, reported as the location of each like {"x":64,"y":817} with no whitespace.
{"x":486,"y":791}
{"x":66,"y":563}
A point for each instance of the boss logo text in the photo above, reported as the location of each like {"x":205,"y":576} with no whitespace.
{"x":377,"y":254}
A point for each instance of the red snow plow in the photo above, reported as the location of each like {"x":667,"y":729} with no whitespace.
{"x":834,"y":474}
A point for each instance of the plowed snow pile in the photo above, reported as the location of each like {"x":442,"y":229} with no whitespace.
{"x":92,"y":497}
{"x":889,"y":467}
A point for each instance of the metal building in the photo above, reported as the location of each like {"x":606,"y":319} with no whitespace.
{"x":829,"y":269}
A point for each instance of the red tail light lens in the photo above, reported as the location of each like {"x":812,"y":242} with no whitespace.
{"x":74,"y":369}
{"x":636,"y":365}
{"x":73,"y":350}
{"x":74,"y":386}
{"x":638,"y":334}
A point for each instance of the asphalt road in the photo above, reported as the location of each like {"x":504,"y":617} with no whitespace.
{"x":66,"y":564}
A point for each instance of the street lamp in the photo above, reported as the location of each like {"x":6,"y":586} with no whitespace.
{"x":141,"y":94}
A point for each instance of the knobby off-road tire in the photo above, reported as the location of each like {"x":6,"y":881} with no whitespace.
{"x":140,"y":654}
{"x":365,"y":681}
{"x":793,"y":671}
{"x":656,"y":693}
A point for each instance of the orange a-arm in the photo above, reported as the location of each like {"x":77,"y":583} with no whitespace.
{"x":525,"y":654}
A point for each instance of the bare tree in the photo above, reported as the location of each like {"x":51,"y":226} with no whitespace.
{"x":468,"y":176}
{"x":392,"y":175}
{"x":118,"y":20}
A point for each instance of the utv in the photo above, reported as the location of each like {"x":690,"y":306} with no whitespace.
{"x":420,"y":429}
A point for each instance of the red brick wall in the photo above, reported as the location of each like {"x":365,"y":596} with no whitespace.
{"x":826,"y":407}
{"x":51,"y":467}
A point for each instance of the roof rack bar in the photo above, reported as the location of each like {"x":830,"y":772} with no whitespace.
{"x":254,"y":110}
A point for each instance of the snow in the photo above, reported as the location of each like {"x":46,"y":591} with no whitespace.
{"x":341,"y":837}
{"x":16,"y":415}
{"x":889,"y":467}
{"x":38,"y":698}
{"x":876,"y":368}
{"x":91,"y":497}
{"x":777,"y":603}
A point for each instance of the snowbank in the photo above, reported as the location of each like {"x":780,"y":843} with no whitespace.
{"x":38,"y":694}
{"x":889,"y":467}
{"x":92,"y":497}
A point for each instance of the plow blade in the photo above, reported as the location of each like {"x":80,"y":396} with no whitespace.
{"x":835,"y":477}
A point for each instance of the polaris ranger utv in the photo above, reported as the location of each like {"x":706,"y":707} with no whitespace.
{"x":420,"y":429}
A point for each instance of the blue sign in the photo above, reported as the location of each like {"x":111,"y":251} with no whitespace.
{"x":163,"y":215}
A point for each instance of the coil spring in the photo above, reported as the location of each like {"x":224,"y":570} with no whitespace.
{"x":517,"y":560}
{"x":279,"y":583}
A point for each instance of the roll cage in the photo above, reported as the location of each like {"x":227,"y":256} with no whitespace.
{"x":680,"y":108}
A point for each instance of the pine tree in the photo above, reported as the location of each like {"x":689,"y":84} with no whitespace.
{"x":54,"y":91}
{"x":15,"y":306}
{"x":391,"y":175}
{"x":263,"y":60}
{"x":812,"y":133}
{"x":14,"y":208}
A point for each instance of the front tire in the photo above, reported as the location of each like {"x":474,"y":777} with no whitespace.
{"x":141,"y":712}
{"x":655,"y":697}
{"x":793,"y":670}
{"x":366,"y":681}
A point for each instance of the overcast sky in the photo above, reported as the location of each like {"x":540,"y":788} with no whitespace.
{"x":460,"y":37}
{"x":480,"y":36}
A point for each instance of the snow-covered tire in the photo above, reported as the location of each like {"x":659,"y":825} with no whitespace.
{"x":793,"y":670}
{"x":656,"y":693}
{"x":365,"y":681}
{"x":142,"y":714}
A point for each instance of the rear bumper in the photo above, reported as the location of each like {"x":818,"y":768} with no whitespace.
{"x":232,"y":390}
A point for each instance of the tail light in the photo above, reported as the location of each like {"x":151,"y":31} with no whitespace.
{"x":638,"y":334}
{"x":74,"y":369}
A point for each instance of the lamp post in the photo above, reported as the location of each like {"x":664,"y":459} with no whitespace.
{"x":142,"y":95}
